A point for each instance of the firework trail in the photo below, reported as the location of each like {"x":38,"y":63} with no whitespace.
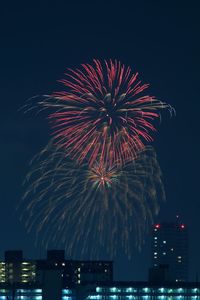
{"x":102,"y":113}
{"x":75,"y":206}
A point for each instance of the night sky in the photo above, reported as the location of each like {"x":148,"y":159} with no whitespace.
{"x":159,"y":39}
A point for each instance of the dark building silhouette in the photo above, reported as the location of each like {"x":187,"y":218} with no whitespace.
{"x":56,"y":255}
{"x":169,"y":252}
{"x":13,"y":256}
{"x":15,"y":269}
{"x":159,"y":274}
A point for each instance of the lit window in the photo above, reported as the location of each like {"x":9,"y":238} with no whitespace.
{"x":155,"y":237}
{"x":172,"y":249}
{"x":164,"y":242}
{"x":66,"y":291}
{"x":164,"y":253}
{"x":115,"y":290}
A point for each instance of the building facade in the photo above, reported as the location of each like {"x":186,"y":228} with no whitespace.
{"x":112,"y":291}
{"x":170,"y":250}
{"x":16,"y":269}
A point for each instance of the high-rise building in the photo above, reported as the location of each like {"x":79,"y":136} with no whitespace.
{"x":170,"y":250}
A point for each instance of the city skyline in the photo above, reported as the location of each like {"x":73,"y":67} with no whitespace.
{"x":55,"y":278}
{"x":159,"y":40}
{"x":169,"y":253}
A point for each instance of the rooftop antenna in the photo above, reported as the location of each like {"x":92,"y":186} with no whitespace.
{"x":177,"y":218}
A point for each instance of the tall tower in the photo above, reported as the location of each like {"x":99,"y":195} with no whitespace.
{"x":170,"y":250}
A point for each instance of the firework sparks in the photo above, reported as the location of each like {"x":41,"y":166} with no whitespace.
{"x":76,"y":205}
{"x":103,"y":111}
{"x":102,"y":176}
{"x":96,"y":182}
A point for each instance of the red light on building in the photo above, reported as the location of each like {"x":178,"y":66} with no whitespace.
{"x":182,"y":226}
{"x":157,"y":226}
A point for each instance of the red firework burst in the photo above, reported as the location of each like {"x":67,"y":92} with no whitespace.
{"x":103,"y":112}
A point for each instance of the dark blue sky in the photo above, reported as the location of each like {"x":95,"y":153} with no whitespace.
{"x":160,"y":39}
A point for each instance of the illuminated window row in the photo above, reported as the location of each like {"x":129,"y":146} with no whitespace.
{"x":66,"y":292}
{"x":141,"y":297}
{"x":147,"y":290}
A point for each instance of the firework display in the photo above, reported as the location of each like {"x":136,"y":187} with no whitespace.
{"x":103,"y":109}
{"x":98,"y":181}
{"x":75,"y":205}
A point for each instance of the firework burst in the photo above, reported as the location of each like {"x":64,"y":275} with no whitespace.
{"x":102,"y":111}
{"x":75,"y":205}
